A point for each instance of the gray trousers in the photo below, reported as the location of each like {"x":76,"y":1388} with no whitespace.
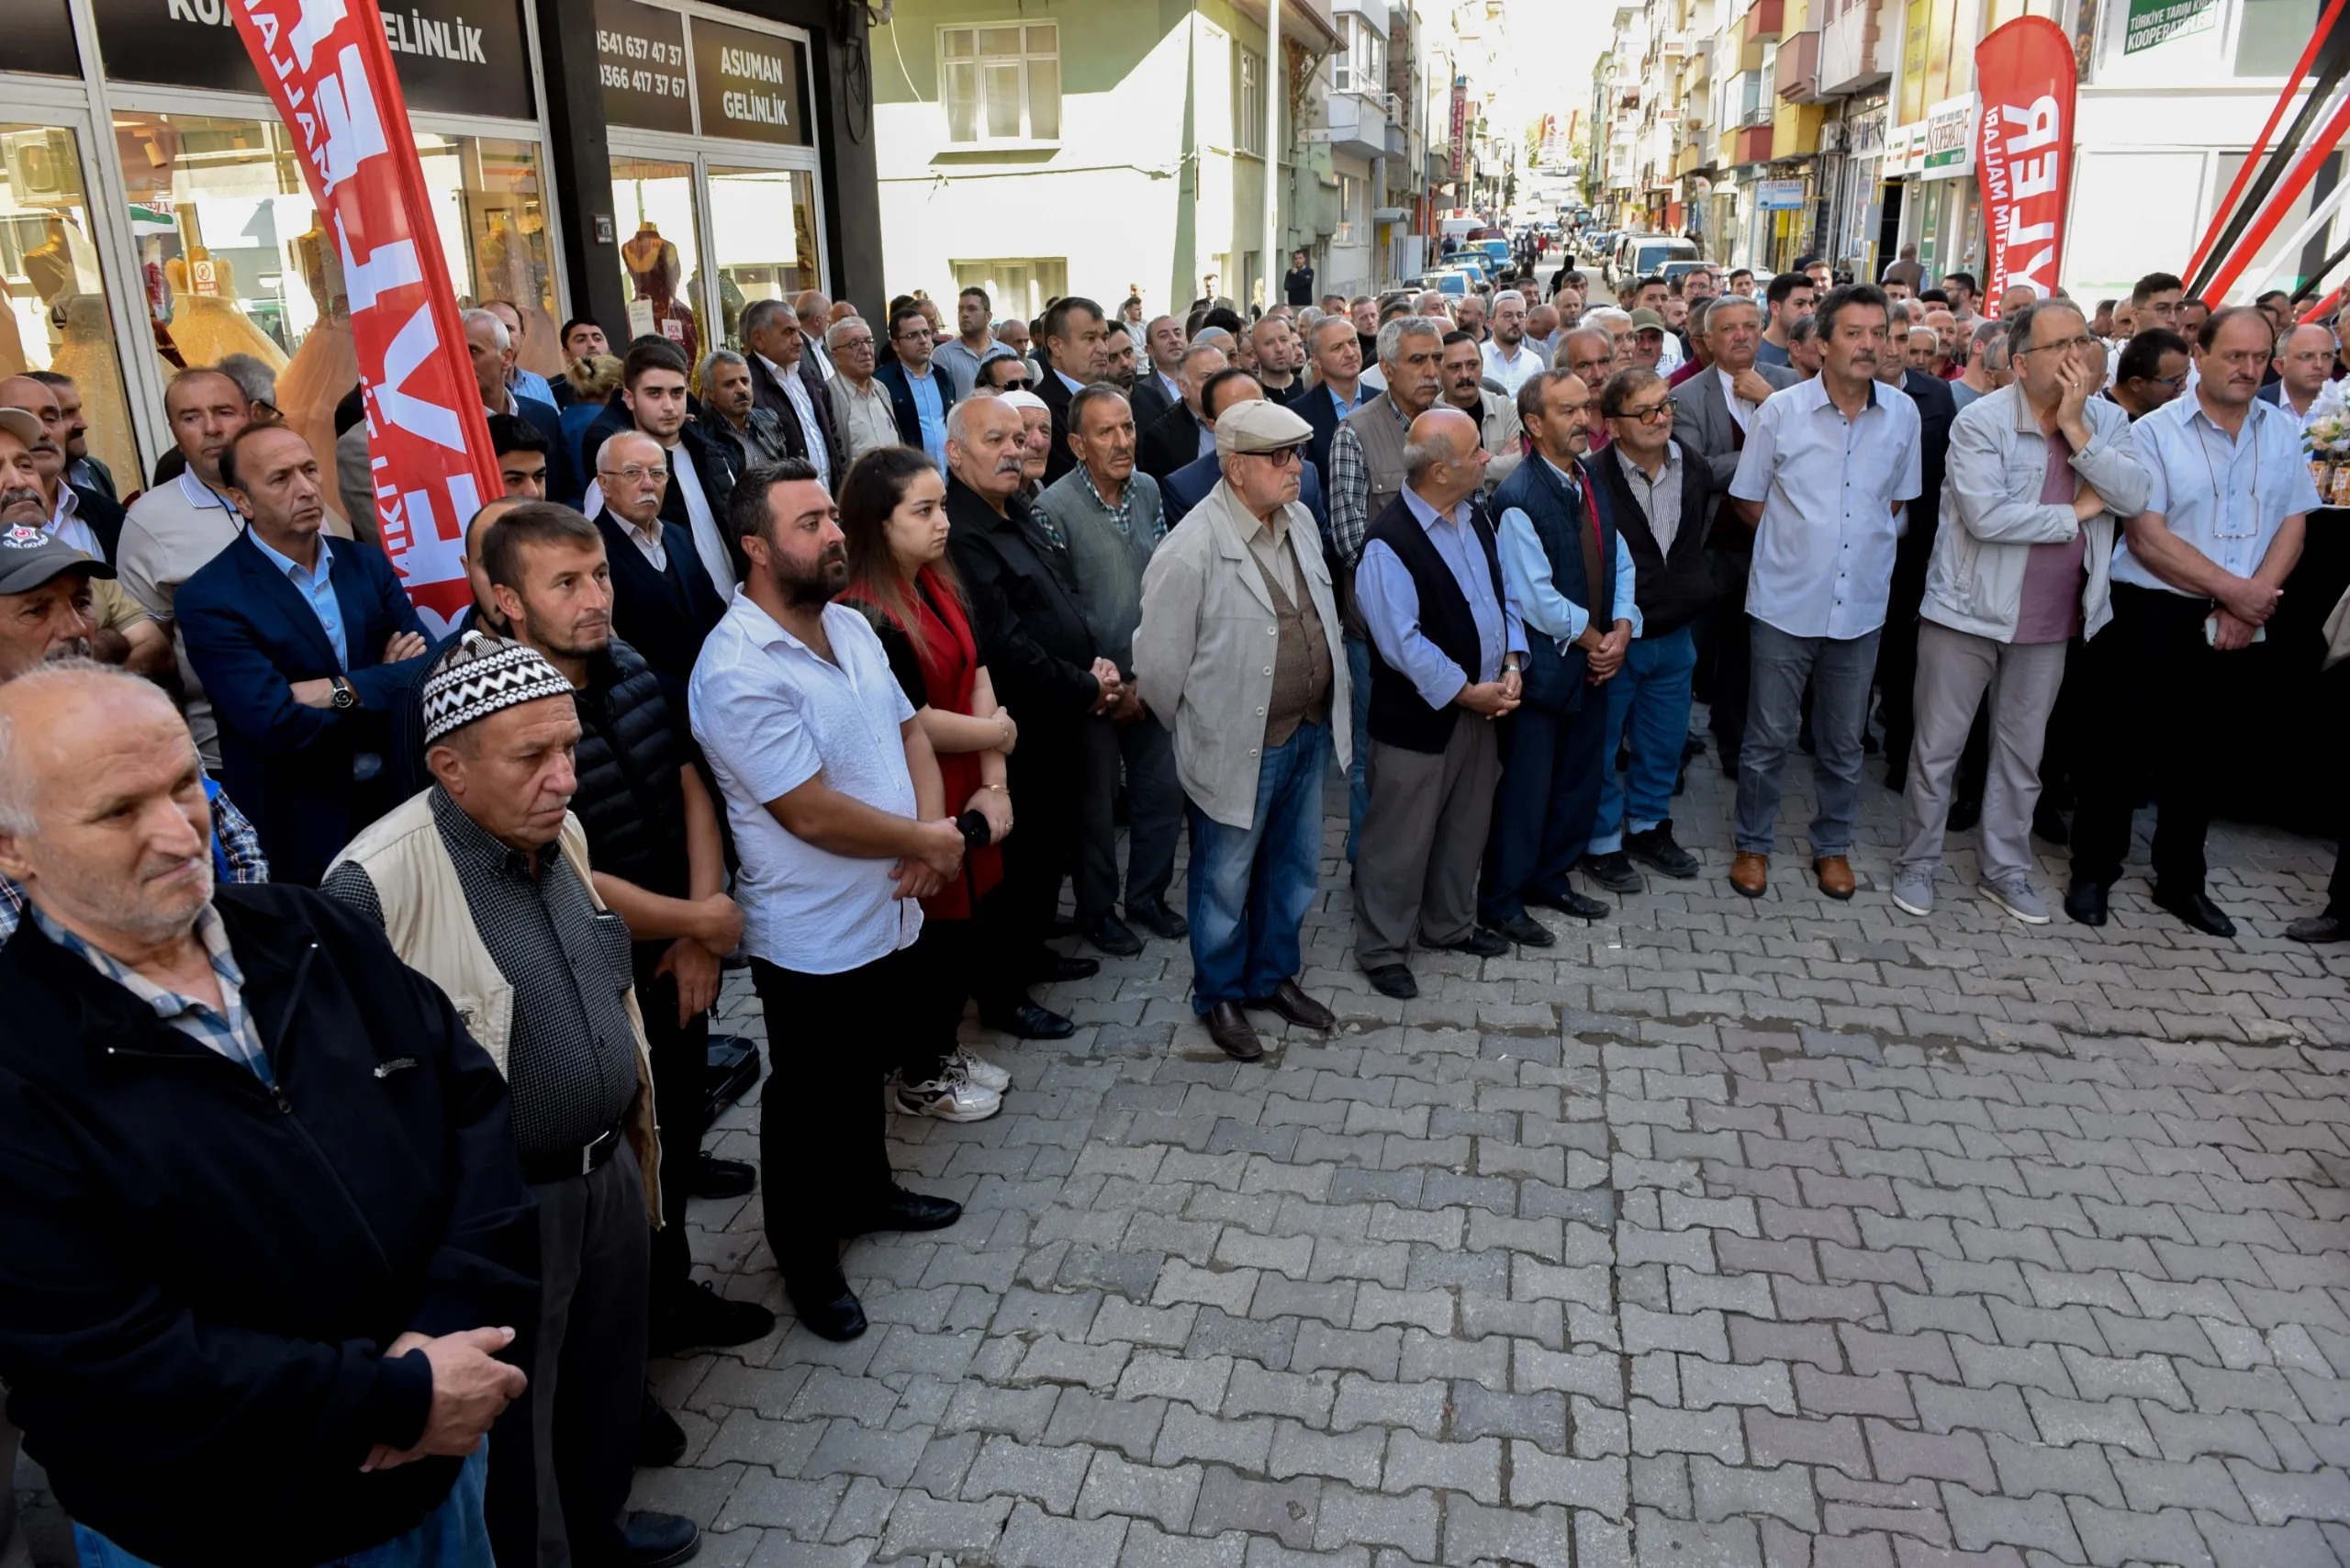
{"x":1954,"y":670}
{"x":1839,"y":671}
{"x":1423,"y":839}
{"x":567,"y":1448}
{"x":1146,"y":750}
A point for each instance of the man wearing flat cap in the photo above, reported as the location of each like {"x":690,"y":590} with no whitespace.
{"x":1238,"y":652}
{"x":483,"y":885}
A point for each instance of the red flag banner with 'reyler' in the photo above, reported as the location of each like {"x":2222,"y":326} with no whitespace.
{"x":328,"y":71}
{"x":2024,"y":78}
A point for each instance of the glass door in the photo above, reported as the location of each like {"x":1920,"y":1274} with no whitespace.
{"x":763,"y":240}
{"x":659,"y":214}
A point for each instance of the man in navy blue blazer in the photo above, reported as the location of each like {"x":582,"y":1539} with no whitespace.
{"x":1189,"y":486}
{"x":663,"y":602}
{"x":304,"y":645}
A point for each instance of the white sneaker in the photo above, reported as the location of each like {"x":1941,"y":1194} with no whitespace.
{"x":2014,"y":894}
{"x":981,"y":1070}
{"x":950,"y":1097}
{"x":1913,"y":891}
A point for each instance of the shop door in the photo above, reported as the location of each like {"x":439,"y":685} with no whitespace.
{"x":704,"y":234}
{"x":54,"y":272}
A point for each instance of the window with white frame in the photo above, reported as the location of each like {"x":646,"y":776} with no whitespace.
{"x":1361,"y":65}
{"x":1248,"y":136}
{"x":1349,"y":231}
{"x":1000,"y":83}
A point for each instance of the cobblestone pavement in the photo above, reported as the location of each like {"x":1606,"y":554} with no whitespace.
{"x":1789,"y":1232}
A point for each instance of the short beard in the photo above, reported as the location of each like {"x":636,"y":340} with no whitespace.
{"x":541,"y":637}
{"x":811,"y":589}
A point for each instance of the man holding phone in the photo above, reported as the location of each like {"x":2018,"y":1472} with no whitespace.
{"x":2200,"y":573}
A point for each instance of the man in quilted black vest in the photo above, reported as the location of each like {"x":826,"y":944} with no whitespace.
{"x":1569,"y":573}
{"x":1446,"y":657}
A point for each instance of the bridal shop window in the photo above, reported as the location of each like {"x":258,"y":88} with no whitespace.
{"x":234,"y":260}
{"x":56,"y":317}
{"x":660,"y":259}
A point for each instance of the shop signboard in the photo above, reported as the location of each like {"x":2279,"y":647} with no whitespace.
{"x":2150,"y":22}
{"x":2026,"y":73}
{"x":39,"y":39}
{"x":641,"y":50}
{"x":1778,"y":195}
{"x":750,"y":86}
{"x":330,"y":77}
{"x":466,"y":56}
{"x":1949,"y":139}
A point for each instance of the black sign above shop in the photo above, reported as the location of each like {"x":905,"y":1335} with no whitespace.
{"x":641,"y":50}
{"x":750,"y":84}
{"x":452,"y":56}
{"x":39,"y":39}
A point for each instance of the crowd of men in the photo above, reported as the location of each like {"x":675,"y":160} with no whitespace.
{"x":367,"y":967}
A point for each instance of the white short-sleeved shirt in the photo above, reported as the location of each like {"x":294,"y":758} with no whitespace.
{"x":771,"y":713}
{"x":1823,"y":552}
{"x":2225,"y":497}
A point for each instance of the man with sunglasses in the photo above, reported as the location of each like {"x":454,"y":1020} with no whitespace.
{"x":1006,"y":372}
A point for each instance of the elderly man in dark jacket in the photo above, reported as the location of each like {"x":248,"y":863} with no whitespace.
{"x":1033,"y":637}
{"x":262,"y":1229}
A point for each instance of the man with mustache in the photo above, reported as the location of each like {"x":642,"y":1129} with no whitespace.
{"x":659,"y":863}
{"x":304,"y":644}
{"x":2200,"y":572}
{"x":1826,"y":468}
{"x":111,"y":627}
{"x":840,"y":820}
{"x":88,"y":520}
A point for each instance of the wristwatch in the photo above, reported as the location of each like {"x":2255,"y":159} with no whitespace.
{"x":344,"y":696}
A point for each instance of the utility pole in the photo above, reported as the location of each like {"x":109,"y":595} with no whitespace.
{"x":1273,"y":74}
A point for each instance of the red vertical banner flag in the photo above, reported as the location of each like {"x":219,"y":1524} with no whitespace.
{"x":328,"y":71}
{"x":2025,"y":80}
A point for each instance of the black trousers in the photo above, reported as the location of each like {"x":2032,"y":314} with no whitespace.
{"x":1724,"y":665}
{"x":1548,"y":803}
{"x":681,"y":1100}
{"x":956,"y":961}
{"x":823,"y":1127}
{"x":1046,"y":776}
{"x":2160,"y":700}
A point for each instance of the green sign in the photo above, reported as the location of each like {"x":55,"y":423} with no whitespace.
{"x":2152,"y":22}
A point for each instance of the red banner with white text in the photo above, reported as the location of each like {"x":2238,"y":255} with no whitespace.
{"x":328,"y":72}
{"x":2024,"y":78}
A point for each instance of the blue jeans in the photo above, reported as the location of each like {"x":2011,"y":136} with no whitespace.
{"x":1249,"y":891}
{"x":1839,"y":671}
{"x":453,"y":1536}
{"x":1358,"y":780}
{"x":1652,"y":691}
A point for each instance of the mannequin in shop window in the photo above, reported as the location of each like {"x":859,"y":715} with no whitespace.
{"x":326,"y":363}
{"x":208,"y":327}
{"x":653,"y":269}
{"x":514,"y":270}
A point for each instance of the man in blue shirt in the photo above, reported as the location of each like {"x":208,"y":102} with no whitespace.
{"x":1447,"y":647}
{"x":919,"y":393}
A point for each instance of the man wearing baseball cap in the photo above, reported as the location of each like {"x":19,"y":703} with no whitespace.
{"x":1654,"y":347}
{"x":35,"y":562}
{"x":1238,"y":652}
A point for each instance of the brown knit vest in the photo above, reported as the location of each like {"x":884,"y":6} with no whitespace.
{"x":1300,"y":662}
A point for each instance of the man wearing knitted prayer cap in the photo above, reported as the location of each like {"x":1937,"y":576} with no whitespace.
{"x":481,"y":883}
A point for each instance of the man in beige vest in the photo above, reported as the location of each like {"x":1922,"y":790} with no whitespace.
{"x":1238,"y":654}
{"x":481,"y":883}
{"x":1366,"y":475}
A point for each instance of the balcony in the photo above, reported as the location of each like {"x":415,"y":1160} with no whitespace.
{"x":1798,"y":75}
{"x":1763,"y":20}
{"x":1360,"y":124}
{"x":1851,"y":51}
{"x":1751,"y":144}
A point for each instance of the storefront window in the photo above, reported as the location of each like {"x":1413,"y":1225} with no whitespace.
{"x":660,"y":260}
{"x":764,"y":223}
{"x":56,"y":317}
{"x":234,"y":260}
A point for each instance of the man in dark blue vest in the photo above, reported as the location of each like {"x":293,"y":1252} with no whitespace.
{"x":663,"y":603}
{"x":1446,"y":657}
{"x":1571,"y":574}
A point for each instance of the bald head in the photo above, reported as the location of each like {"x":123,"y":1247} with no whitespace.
{"x":1444,"y":457}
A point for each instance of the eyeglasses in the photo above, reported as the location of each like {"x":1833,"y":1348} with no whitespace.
{"x":849,"y":345}
{"x":911,"y":333}
{"x":1651,"y":414}
{"x":1282,"y":456}
{"x":632,"y":472}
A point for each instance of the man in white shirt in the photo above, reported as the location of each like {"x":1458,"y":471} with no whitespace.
{"x":702,"y":472}
{"x":174,"y":529}
{"x":1509,"y":359}
{"x":1827,"y":467}
{"x":838,"y":816}
{"x":787,"y":384}
{"x":2305,"y":387}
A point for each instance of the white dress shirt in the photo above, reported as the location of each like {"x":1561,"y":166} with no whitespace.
{"x":2224,"y":497}
{"x":709,"y":543}
{"x":811,"y":428}
{"x":1830,"y":489}
{"x":1513,"y":371}
{"x":1739,"y":409}
{"x":67,"y":526}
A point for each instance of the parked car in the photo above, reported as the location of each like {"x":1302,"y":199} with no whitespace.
{"x":1640,"y":255}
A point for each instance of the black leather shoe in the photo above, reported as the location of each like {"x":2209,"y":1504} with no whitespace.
{"x":659,"y":1540}
{"x":1479,"y":943}
{"x":2320,"y":928}
{"x":1233,"y":1034}
{"x":901,"y":1210}
{"x":725,"y":1177}
{"x":1111,"y":935}
{"x":1658,"y":849}
{"x":828,"y":1307}
{"x":1524,"y":930}
{"x":2084,"y":902}
{"x":1296,"y":1006}
{"x":696,"y":1317}
{"x":660,"y":1441}
{"x":1393,"y":979}
{"x":1583,"y":906}
{"x":1029,"y":1022}
{"x":2198,"y":912}
{"x":1159,"y":920}
{"x":1613,"y":870}
{"x":1052,"y":966}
